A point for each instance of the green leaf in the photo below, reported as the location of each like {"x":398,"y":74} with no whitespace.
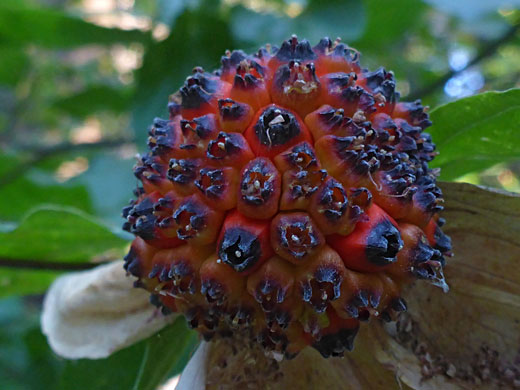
{"x":142,"y":366}
{"x":22,"y":194}
{"x":198,"y":38}
{"x":45,"y":368}
{"x":163,"y":352}
{"x":115,"y":372}
{"x":477,"y":132}
{"x":14,"y":65}
{"x":53,"y":233}
{"x":24,"y":281}
{"x":94,"y":98}
{"x":457,"y":168}
{"x":20,"y":25}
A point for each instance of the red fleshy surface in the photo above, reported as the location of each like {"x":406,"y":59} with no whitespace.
{"x":288,"y":196}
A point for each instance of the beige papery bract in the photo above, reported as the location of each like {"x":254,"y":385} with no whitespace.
{"x":466,"y":339}
{"x":92,"y":314}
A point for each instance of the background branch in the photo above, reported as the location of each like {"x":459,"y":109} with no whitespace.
{"x":41,"y":154}
{"x":45,"y":265}
{"x":486,"y":51}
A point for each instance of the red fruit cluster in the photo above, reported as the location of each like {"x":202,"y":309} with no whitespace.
{"x":288,"y":196}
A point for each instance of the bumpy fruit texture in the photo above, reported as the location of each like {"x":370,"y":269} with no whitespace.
{"x":287,"y":197}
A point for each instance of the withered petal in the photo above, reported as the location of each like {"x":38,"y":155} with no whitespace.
{"x":474,"y":330}
{"x":91,"y":314}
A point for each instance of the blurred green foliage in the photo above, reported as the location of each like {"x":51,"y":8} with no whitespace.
{"x":81,"y":80}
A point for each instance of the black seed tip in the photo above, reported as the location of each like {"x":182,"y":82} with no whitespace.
{"x":333,"y":200}
{"x":240,"y":249}
{"x":306,"y":182}
{"x":213,"y":291}
{"x":399,"y":305}
{"x":202,"y":127}
{"x":336,"y":344}
{"x":442,"y":241}
{"x":192,"y":217}
{"x":194,"y":96}
{"x":294,"y":50}
{"x":132,"y":263}
{"x":298,"y":235}
{"x":162,"y":136}
{"x":361,"y":299}
{"x":231,"y":61}
{"x":383,"y":243}
{"x":224,"y":146}
{"x":154,"y":300}
{"x":422,"y":252}
{"x":211,"y":182}
{"x":302,"y":156}
{"x":385,"y":316}
{"x":323,"y":46}
{"x":165,"y":311}
{"x":231,"y":110}
{"x":182,"y":171}
{"x":258,"y":182}
{"x":156,"y":270}
{"x":276,"y":126}
{"x":174,"y":108}
{"x":381,"y":81}
{"x":352,"y":311}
